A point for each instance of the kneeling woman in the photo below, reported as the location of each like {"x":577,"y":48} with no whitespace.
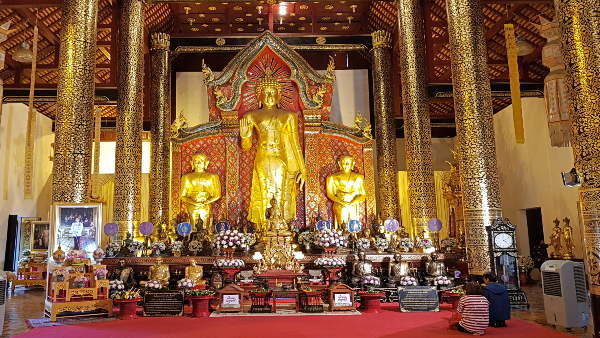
{"x":475,"y":310}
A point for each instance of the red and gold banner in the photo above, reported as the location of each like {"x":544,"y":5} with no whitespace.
{"x":515,"y":89}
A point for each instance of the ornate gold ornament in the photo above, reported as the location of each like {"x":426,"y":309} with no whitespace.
{"x":179,"y":123}
{"x":358,"y":120}
{"x":330,"y":69}
{"x":318,"y":97}
{"x":321,"y":40}
{"x":208,"y":74}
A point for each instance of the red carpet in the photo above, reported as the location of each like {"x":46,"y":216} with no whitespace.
{"x":390,"y":323}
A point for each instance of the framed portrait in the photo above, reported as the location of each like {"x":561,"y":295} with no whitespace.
{"x":76,"y":226}
{"x":40,"y":236}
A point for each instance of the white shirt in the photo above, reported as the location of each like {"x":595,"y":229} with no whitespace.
{"x":76,"y":229}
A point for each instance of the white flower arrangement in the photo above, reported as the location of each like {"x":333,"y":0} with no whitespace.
{"x":186,"y":284}
{"x":158,"y":246}
{"x":329,"y":238}
{"x":250,"y":239}
{"x":134,"y":246}
{"x":442,"y":280}
{"x":307,"y":237}
{"x":116,"y":285}
{"x":176,"y":246}
{"x":381,"y":243}
{"x":371,"y":280}
{"x":330,"y":262}
{"x":195,"y":245}
{"x":408,"y":280}
{"x":407,"y":242}
{"x":77,"y":254}
{"x":363,"y":243}
{"x":154,"y":284}
{"x":229,"y":263}
{"x":448,"y":242}
{"x":112,"y":249}
{"x":424,"y":243}
{"x":229,"y":239}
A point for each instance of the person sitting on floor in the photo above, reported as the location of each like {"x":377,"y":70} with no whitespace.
{"x":497,"y":295}
{"x":474,"y":308}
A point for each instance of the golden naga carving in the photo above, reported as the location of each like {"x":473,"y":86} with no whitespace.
{"x":358,"y":121}
{"x":195,"y":273}
{"x":367,"y":130}
{"x":208,"y":74}
{"x":346,"y":189}
{"x":318,"y":97}
{"x":219,"y":96}
{"x":568,"y":237}
{"x":179,"y":123}
{"x":199,"y":190}
{"x":159,"y":272}
{"x":330,"y":69}
{"x":279,"y":162}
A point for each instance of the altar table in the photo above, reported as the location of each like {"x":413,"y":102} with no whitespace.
{"x":285,"y":294}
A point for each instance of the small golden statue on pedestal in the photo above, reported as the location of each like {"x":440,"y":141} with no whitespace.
{"x":346,"y":189}
{"x":568,"y":236}
{"x":199,"y":190}
{"x":555,"y":240}
{"x":158,"y":272}
{"x":276,"y":225}
{"x":195,"y":272}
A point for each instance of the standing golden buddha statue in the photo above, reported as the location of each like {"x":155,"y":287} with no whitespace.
{"x":555,"y":240}
{"x":279,"y":162}
{"x":568,"y":237}
{"x":346,"y":189}
{"x":199,"y":189}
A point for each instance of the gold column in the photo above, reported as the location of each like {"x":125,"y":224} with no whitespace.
{"x":128,"y":159}
{"x":75,"y":104}
{"x":385,"y":129}
{"x":417,"y":127}
{"x":475,"y":128}
{"x":580,"y":35}
{"x":160,"y":132}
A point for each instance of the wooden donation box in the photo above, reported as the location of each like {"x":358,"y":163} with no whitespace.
{"x":162,"y":303}
{"x":341,"y":297}
{"x":418,"y":299}
{"x":230,"y":299}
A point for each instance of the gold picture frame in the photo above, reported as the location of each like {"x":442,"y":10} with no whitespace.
{"x":72,"y":219}
{"x":39,"y":240}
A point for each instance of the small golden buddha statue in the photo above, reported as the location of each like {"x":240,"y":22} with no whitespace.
{"x":275,"y":221}
{"x":199,"y":189}
{"x":555,"y":240}
{"x":159,"y":272}
{"x":195,"y":273}
{"x":346,"y":189}
{"x":366,"y":233}
{"x":568,"y":237}
{"x":397,"y":269}
{"x":279,"y":162}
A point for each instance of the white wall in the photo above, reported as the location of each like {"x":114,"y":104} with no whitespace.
{"x":530,"y":174}
{"x":13,"y":127}
{"x":350,"y":94}
{"x":107,"y":157}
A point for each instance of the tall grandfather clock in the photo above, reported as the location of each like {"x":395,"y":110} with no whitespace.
{"x":505,"y":261}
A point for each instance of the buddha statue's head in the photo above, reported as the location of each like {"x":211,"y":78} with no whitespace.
{"x":159,"y":260}
{"x":346,"y":163}
{"x":199,"y":162}
{"x":268,"y":90}
{"x":193,"y":262}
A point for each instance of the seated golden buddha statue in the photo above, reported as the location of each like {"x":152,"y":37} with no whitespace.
{"x":366,"y":233}
{"x":199,"y":190}
{"x":158,"y":272}
{"x":346,"y":189}
{"x":275,"y":221}
{"x":195,"y":273}
{"x":279,"y":162}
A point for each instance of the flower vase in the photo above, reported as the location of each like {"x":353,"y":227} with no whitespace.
{"x":177,"y":253}
{"x":228,"y":252}
{"x":81,"y":285}
{"x":330,"y":251}
{"x":60,"y":278}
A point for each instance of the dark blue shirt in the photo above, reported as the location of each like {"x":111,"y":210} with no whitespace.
{"x":497,"y":295}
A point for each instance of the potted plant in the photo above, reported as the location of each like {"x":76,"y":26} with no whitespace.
{"x":81,"y":281}
{"x":60,"y":274}
{"x":195,"y":246}
{"x":116,"y":285}
{"x":525,"y":265}
{"x":424,"y":244}
{"x":330,"y":240}
{"x":176,"y":247}
{"x":407,"y":244}
{"x":127,"y":301}
{"x":371,"y":297}
{"x":250,"y":241}
{"x":153,"y":285}
{"x":157,"y":247}
{"x":200,"y":300}
{"x":101,"y":273}
{"x":363,"y":244}
{"x":229,"y":241}
{"x":371,"y":282}
{"x":441,"y":281}
{"x":112,"y":249}
{"x":135,"y":247}
{"x":408,"y":281}
{"x":186,"y":284}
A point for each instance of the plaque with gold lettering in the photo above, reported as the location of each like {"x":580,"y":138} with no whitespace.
{"x":161,"y":303}
{"x":418,"y":299}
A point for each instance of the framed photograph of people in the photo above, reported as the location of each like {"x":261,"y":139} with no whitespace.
{"x":76,"y":226}
{"x":40,"y":236}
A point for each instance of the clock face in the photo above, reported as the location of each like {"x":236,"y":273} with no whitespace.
{"x":503,"y":240}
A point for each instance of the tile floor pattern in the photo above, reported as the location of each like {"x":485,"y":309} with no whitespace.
{"x":30,"y":304}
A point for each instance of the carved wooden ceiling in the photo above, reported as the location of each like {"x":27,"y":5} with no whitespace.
{"x":325,"y":18}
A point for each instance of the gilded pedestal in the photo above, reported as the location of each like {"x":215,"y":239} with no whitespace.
{"x":580,"y":35}
{"x":75,"y":104}
{"x":160,"y":132}
{"x":385,"y":129}
{"x":417,"y":127}
{"x":475,"y":128}
{"x":128,"y":160}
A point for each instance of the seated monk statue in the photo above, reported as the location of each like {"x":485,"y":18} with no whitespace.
{"x":434,"y":267}
{"x":199,"y":190}
{"x":346,"y":189}
{"x":362,"y":268}
{"x":195,"y":273}
{"x":124,"y":273}
{"x":158,"y":272}
{"x":397,"y":269}
{"x":124,"y":252}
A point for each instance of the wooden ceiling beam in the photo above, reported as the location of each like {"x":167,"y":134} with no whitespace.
{"x":44,"y":31}
{"x":12,"y":4}
{"x":506,"y":18}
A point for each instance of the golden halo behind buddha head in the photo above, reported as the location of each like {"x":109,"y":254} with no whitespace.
{"x":267,"y":81}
